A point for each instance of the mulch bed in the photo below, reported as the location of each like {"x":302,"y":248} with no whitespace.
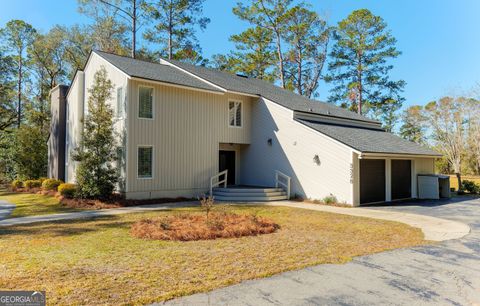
{"x":115,"y":202}
{"x":196,"y":227}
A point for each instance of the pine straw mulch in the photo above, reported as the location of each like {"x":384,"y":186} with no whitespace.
{"x":188,"y":227}
{"x":115,"y":202}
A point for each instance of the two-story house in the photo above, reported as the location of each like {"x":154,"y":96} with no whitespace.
{"x":180,"y":125}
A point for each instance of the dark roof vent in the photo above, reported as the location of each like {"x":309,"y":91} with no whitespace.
{"x":242,"y":75}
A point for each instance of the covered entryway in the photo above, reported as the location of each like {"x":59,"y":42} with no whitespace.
{"x":372,"y":180}
{"x":401,"y":179}
{"x":227,"y":161}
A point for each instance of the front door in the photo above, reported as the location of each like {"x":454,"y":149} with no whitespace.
{"x":227,"y":161}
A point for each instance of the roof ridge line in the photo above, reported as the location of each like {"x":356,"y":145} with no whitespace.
{"x":193,"y":74}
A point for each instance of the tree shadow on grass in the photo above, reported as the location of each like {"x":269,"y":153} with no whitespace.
{"x":60,"y":228}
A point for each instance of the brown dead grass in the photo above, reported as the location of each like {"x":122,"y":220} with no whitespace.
{"x":197,"y":227}
{"x":98,"y":262}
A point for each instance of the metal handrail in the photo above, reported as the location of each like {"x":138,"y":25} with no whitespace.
{"x":217,"y":176}
{"x":285,"y":185}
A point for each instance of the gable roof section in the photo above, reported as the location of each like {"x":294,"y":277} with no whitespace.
{"x":213,"y":80}
{"x":155,"y":72}
{"x":369,"y":140}
{"x":269,"y":91}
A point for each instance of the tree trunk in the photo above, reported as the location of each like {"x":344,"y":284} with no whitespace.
{"x":170,"y":44}
{"x":20,"y":76}
{"x":359,"y":87}
{"x":134,"y":28}
{"x":299,"y":76}
{"x":170,"y":30}
{"x":280,"y":60}
{"x":459,"y":180}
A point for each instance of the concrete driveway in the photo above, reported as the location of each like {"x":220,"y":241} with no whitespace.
{"x":446,"y":273}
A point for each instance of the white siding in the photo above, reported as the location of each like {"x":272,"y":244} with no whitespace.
{"x":186,"y":131}
{"x":292,"y":152}
{"x":74,"y":124}
{"x":77,"y":105}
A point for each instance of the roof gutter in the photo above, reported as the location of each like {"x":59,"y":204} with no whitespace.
{"x":399,"y":155}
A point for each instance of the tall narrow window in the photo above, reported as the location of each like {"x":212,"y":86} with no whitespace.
{"x":235,"y":113}
{"x":120,"y":103}
{"x":145,"y":162}
{"x":120,"y":161}
{"x":145,"y":102}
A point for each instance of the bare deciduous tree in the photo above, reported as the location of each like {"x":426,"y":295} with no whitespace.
{"x":447,"y":119}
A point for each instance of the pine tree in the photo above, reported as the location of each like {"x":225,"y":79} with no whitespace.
{"x":175,"y":28}
{"x":360,"y":70}
{"x":254,"y":55}
{"x":96,"y":177}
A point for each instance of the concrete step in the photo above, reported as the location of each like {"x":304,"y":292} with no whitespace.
{"x":248,"y":198}
{"x":247,"y":190}
{"x":250,"y":194}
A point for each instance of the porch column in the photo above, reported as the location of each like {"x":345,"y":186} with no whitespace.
{"x":388,"y":179}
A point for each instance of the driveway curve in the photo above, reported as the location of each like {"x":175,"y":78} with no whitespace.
{"x":433,"y":228}
{"x":445,"y":273}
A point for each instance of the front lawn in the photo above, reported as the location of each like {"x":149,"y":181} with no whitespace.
{"x":28,"y":204}
{"x":454,"y":181}
{"x":99,"y":261}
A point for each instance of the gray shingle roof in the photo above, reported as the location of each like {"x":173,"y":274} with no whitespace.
{"x":269,"y":91}
{"x":367,"y":140}
{"x":228,"y":81}
{"x":156,"y":72}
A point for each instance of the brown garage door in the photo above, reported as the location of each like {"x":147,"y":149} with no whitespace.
{"x":372,"y":180}
{"x":401,"y":179}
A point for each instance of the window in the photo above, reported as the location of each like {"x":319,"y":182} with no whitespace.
{"x":120,"y":103}
{"x":235,"y":113}
{"x":145,"y":102}
{"x":145,"y":162}
{"x":120,"y":161}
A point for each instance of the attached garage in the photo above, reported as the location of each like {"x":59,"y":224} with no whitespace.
{"x":384,"y":167}
{"x":372,"y":180}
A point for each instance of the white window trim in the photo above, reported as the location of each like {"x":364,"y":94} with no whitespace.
{"x":138,"y":102}
{"x":241,"y":114}
{"x":153,"y":163}
{"x":123,"y":104}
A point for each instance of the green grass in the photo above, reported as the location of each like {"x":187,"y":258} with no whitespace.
{"x":28,"y":204}
{"x":98,"y":261}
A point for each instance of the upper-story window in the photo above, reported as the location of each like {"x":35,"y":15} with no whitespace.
{"x":145,"y":102}
{"x":235,"y":113}
{"x":120,"y":103}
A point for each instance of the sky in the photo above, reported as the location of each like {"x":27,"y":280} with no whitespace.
{"x":439,"y":39}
